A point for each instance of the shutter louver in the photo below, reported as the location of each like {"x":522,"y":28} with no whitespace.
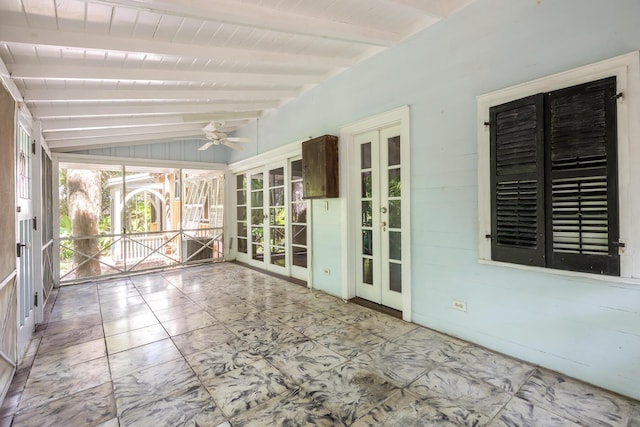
{"x":517,"y":184}
{"x":581,"y":170}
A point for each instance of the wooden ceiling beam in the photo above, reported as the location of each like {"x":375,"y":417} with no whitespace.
{"x":67,"y":39}
{"x":144,"y":74}
{"x":88,"y":143}
{"x":439,"y":9}
{"x":266,"y":18}
{"x":79,"y":123}
{"x":156,"y":93}
{"x":129,"y":109}
{"x":79,"y":134}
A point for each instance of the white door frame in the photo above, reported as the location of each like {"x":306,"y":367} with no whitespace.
{"x":250,"y":260}
{"x":263,"y":161}
{"x":39,"y":214}
{"x":266,"y":264}
{"x":295,"y":271}
{"x":25,"y":212}
{"x":286,"y":270}
{"x":349,"y":191}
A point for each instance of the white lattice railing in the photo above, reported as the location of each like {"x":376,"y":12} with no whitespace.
{"x":138,"y":247}
{"x":121,"y":253}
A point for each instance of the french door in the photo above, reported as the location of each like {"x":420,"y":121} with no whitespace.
{"x":379,"y":224}
{"x":271,"y":219}
{"x":267,"y":218}
{"x":24,"y":236}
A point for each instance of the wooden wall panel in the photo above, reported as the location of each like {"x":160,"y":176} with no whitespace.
{"x":7,"y":184}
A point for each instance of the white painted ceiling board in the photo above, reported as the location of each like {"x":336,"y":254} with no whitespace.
{"x":101,"y":66}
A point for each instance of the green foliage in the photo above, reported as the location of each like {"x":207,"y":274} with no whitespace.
{"x":65,"y":226}
{"x":138,"y":214}
{"x":394,"y":182}
{"x":62,"y":191}
{"x":65,"y":231}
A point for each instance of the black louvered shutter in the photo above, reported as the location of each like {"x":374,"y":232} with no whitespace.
{"x":581,"y":185}
{"x":517,"y":182}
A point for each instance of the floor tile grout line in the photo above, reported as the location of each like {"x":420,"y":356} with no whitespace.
{"x":513,"y":396}
{"x":28,"y":373}
{"x":266,"y":359}
{"x":301,"y":302}
{"x":106,"y":350}
{"x":184,"y":358}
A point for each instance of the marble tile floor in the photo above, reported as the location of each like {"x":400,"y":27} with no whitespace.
{"x":223,"y":345}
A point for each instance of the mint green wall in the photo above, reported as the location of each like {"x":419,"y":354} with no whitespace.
{"x":327,"y":238}
{"x":585,"y":328}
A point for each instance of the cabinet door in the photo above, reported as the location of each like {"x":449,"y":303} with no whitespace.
{"x":320,"y":167}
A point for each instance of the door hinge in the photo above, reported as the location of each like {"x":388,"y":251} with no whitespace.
{"x":35,"y":299}
{"x":19,"y":247}
{"x":35,"y":223}
{"x":33,"y":147}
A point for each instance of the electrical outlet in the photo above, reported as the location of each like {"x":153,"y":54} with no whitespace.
{"x":459,"y":305}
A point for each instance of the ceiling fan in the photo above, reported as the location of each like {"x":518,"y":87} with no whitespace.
{"x":215,"y":136}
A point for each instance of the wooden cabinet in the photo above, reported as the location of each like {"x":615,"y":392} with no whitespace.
{"x":320,"y":175}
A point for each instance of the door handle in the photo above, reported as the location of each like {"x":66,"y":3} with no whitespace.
{"x":383,"y":210}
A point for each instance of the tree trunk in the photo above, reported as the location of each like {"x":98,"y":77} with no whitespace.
{"x":84,"y":198}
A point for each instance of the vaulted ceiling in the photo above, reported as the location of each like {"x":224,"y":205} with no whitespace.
{"x":97,"y":73}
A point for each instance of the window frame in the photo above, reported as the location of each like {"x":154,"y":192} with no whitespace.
{"x":626,"y":69}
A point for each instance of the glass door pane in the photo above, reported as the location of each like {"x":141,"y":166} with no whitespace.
{"x":368,"y":238}
{"x":241,"y":212}
{"x":277,"y":218}
{"x":391,"y":201}
{"x":257,"y":216}
{"x":366,"y":203}
{"x":298,"y":217}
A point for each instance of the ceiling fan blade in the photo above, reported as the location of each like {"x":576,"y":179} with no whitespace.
{"x":231,"y":145}
{"x":205,"y":146}
{"x":236,"y":139}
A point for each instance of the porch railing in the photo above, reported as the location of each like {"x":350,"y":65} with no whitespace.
{"x":122,"y":253}
{"x":137,"y":247}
